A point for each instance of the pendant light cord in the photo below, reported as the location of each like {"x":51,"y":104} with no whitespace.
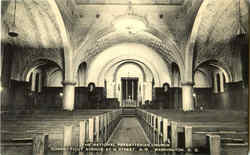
{"x":14,"y":22}
{"x":239,"y":17}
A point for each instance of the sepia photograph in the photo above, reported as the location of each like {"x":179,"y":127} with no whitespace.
{"x":124,"y":77}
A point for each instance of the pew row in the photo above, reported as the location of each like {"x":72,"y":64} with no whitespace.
{"x":61,"y":133}
{"x":190,"y":135}
{"x":37,"y":143}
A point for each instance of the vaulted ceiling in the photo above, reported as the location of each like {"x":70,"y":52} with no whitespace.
{"x":86,"y":23}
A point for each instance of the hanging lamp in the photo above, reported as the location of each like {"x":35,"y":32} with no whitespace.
{"x":12,"y":29}
{"x":240,"y":37}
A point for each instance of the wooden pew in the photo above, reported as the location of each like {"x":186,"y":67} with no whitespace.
{"x":89,"y":130}
{"x":189,"y":130}
{"x":38,"y":142}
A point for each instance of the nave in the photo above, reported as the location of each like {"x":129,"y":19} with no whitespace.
{"x":171,"y":75}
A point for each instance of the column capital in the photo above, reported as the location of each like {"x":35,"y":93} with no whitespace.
{"x":68,"y":83}
{"x":187,"y":83}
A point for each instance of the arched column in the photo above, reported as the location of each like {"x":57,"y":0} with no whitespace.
{"x":148,"y":90}
{"x":221,"y":82}
{"x":215,"y":82}
{"x":40,"y":85}
{"x":68,"y":95}
{"x":119,"y":92}
{"x":114,"y":88}
{"x":68,"y":51}
{"x":187,"y":96}
{"x":33,"y":83}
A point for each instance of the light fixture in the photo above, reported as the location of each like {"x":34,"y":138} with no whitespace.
{"x":241,"y":33}
{"x":1,"y":88}
{"x":130,"y":24}
{"x":12,"y":29}
{"x":61,"y":94}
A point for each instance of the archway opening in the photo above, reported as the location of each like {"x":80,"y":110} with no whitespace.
{"x":45,"y":78}
{"x":176,"y":87}
{"x":130,"y":77}
{"x":210,"y":80}
{"x":81,"y":75}
{"x":131,"y":61}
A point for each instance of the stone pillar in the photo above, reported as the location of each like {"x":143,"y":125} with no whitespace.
{"x":132,"y":97}
{"x":40,"y":85}
{"x":119,"y":92}
{"x":221,"y":82}
{"x":33,"y":82}
{"x":114,"y":88}
{"x":187,"y":96}
{"x":110,"y":89}
{"x":68,"y":95}
{"x":148,"y":91}
{"x":215,"y":83}
{"x":143,"y":93}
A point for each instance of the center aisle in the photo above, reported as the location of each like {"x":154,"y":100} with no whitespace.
{"x":129,"y":131}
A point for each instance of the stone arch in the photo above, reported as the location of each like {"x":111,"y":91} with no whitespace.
{"x":81,"y":76}
{"x":44,"y":23}
{"x":206,"y":8}
{"x":202,"y":79}
{"x":167,"y":49}
{"x":36,"y":63}
{"x":176,"y":75}
{"x":221,"y":66}
{"x":141,"y":61}
{"x":129,"y":61}
{"x":161,"y":74}
{"x":68,"y":50}
{"x":54,"y":78}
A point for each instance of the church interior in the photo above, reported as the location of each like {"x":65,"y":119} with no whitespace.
{"x":169,"y":73}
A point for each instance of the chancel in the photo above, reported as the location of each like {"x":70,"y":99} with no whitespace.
{"x":79,"y":72}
